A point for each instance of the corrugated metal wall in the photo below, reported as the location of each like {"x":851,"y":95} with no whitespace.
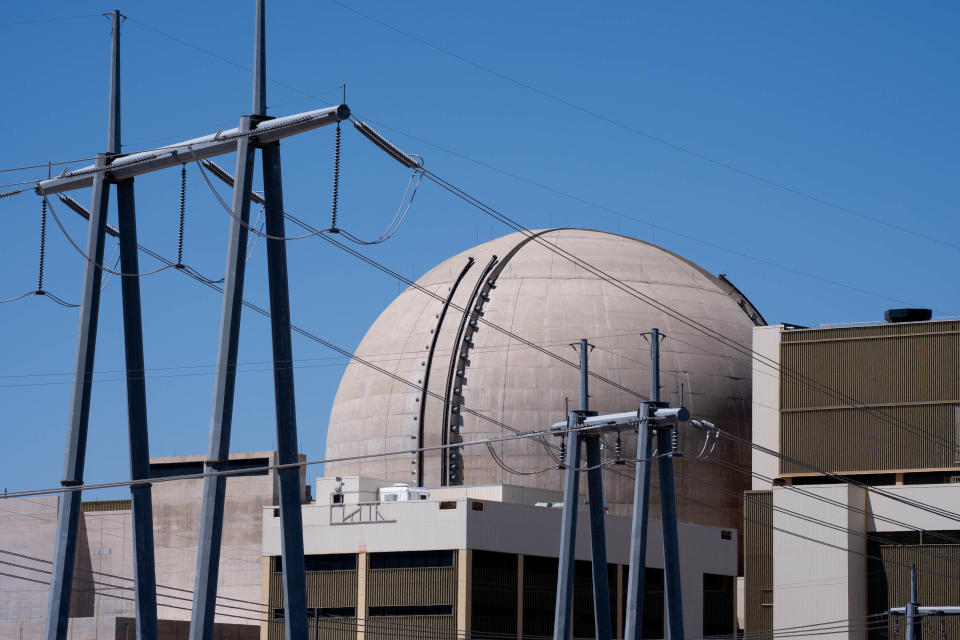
{"x":904,"y":374}
{"x":758,"y":561}
{"x":936,"y":584}
{"x":416,"y":586}
{"x":324,"y":589}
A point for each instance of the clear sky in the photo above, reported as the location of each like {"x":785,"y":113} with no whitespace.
{"x":806,"y":150}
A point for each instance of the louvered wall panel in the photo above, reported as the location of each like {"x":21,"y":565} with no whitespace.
{"x":409,"y":627}
{"x":875,"y":398}
{"x":324,"y":589}
{"x":758,"y":561}
{"x":330,"y":629}
{"x":417,"y":586}
{"x":936,"y":583}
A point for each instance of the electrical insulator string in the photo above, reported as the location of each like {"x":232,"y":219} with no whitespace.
{"x":183,"y":209}
{"x":43,"y":244}
{"x":336,"y":181}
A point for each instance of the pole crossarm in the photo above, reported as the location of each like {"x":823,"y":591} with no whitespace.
{"x":662,"y":417}
{"x":208,"y":146}
{"x":927,"y":611}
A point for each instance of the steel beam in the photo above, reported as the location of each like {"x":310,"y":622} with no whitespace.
{"x":218,"y":452}
{"x":144,"y":572}
{"x":291,"y":519}
{"x":671,"y":546}
{"x":638,"y":532}
{"x":598,"y":540}
{"x":568,"y":534}
{"x":68,"y":515}
{"x":214,"y":144}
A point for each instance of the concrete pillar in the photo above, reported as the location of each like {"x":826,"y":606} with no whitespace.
{"x":519,"y":596}
{"x":265,"y":594}
{"x":464,"y":580}
{"x":362,"y":563}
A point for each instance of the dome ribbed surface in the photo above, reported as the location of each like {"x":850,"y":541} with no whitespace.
{"x":546,"y":299}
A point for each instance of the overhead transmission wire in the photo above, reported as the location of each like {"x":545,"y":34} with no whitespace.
{"x":516,"y":434}
{"x":532,"y":182}
{"x":727,"y":345}
{"x":837,"y":503}
{"x":371,"y":622}
{"x":41,"y":265}
{"x":686,"y":320}
{"x":662,"y":141}
{"x":664,"y":308}
{"x":314,"y":231}
{"x":714,"y":507}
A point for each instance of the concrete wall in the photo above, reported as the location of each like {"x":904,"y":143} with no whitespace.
{"x":28,"y":527}
{"x":819,"y":573}
{"x":766,"y":402}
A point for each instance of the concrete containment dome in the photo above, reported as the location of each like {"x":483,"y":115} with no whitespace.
{"x":456,"y":363}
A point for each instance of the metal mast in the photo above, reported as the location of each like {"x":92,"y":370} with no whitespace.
{"x":208,"y":551}
{"x":68,"y":516}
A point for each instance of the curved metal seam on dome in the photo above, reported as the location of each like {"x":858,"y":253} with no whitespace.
{"x":454,"y":356}
{"x":426,"y":371}
{"x":464,"y":344}
{"x":754,"y":313}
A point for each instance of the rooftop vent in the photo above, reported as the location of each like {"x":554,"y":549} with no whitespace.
{"x":907,"y":315}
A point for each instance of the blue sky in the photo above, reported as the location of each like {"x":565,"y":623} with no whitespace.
{"x":852,"y":106}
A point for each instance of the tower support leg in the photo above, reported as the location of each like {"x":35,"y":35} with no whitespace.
{"x":218,"y":452}
{"x":144,"y":571}
{"x":68,"y":513}
{"x":671,"y":546}
{"x":598,"y":540}
{"x":568,"y":534}
{"x":638,"y":532}
{"x":291,"y":519}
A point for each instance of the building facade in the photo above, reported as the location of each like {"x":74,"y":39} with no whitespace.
{"x":856,"y":432}
{"x":102,"y":606}
{"x":478,"y":562}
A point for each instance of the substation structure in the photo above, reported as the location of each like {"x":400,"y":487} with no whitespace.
{"x":256,"y":131}
{"x":584,"y":429}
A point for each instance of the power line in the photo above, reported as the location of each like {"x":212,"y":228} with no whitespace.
{"x":644,"y":134}
{"x":535,"y":183}
{"x":684,"y":319}
{"x":42,"y":20}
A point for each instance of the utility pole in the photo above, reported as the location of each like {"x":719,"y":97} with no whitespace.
{"x":598,"y":542}
{"x":915,"y":613}
{"x":914,"y":627}
{"x":633,"y":626}
{"x":663,"y":430}
{"x":68,"y":515}
{"x":291,"y":519}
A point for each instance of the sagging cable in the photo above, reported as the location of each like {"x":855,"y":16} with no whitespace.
{"x":409,"y":161}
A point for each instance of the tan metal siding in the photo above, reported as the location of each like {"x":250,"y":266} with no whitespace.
{"x":105,"y":505}
{"x":330,"y":629}
{"x":936,"y":583}
{"x":758,"y":561}
{"x":408,"y":627}
{"x":853,"y":398}
{"x":417,"y":586}
{"x":324,"y":589}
